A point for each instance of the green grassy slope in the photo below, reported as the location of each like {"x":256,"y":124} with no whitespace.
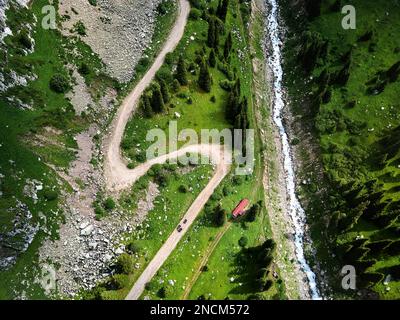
{"x":20,"y":158}
{"x":349,"y":101}
{"x":197,"y":111}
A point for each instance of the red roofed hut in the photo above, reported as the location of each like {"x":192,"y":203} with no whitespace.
{"x":240,"y":209}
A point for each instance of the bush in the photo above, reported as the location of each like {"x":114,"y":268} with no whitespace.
{"x":164,"y":7}
{"x":50,"y":195}
{"x":84,"y":69}
{"x":175,"y":86}
{"x":133,"y":247}
{"x":183,"y":189}
{"x":295,"y":141}
{"x":226,"y":190}
{"x":142,"y":65}
{"x":119,"y":281}
{"x":165,"y":74}
{"x":80,"y":28}
{"x":140,"y":157}
{"x":243,"y":241}
{"x":59,"y":83}
{"x":150,"y":286}
{"x":169,"y":58}
{"x":219,"y":216}
{"x":195,"y":14}
{"x":125,"y":264}
{"x":93,"y":2}
{"x":226,"y":84}
{"x":109,"y":204}
{"x":24,"y":40}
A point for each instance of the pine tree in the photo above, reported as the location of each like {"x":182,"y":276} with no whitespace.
{"x":228,"y":45}
{"x":222,"y":9}
{"x":176,"y":85}
{"x":157,"y":102}
{"x":313,"y":8}
{"x":219,"y":216}
{"x":212,"y":62}
{"x":233,"y":105}
{"x":164,"y":90}
{"x":146,"y":106}
{"x":211,"y":33}
{"x":204,"y":77}
{"x":181,"y":72}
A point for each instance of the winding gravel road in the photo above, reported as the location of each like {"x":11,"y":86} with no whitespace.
{"x":119,"y":177}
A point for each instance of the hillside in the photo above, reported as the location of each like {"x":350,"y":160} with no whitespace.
{"x":350,"y":163}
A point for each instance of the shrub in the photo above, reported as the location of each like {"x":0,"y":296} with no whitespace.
{"x":133,"y":247}
{"x":164,"y":74}
{"x":226,"y":84}
{"x":226,"y":190}
{"x":195,"y":14}
{"x":99,"y":212}
{"x":109,"y":204}
{"x":24,"y":40}
{"x":80,"y":28}
{"x":84,"y":69}
{"x":183,"y":189}
{"x":150,"y":286}
{"x":93,"y":2}
{"x":59,"y":83}
{"x":243,"y":241}
{"x":164,"y":7}
{"x":50,"y":195}
{"x":219,"y":216}
{"x":125,"y":264}
{"x":131,"y":165}
{"x":295,"y":141}
{"x":175,"y":86}
{"x":142,"y":65}
{"x":140,"y":157}
{"x":119,"y":281}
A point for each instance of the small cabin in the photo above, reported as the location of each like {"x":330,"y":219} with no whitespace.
{"x":240,"y":209}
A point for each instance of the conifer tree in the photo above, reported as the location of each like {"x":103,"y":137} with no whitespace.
{"x":175,"y":85}
{"x":181,"y":72}
{"x":146,"y":106}
{"x":157,"y":102}
{"x":164,"y":90}
{"x":211,"y":33}
{"x":228,"y":45}
{"x":212,"y":62}
{"x":204,"y":77}
{"x":222,"y":9}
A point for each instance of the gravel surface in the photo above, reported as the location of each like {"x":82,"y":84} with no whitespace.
{"x":117,"y":30}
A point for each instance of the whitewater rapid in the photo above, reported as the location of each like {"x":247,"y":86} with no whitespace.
{"x":297,"y":213}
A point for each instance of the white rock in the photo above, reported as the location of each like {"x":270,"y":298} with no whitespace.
{"x":87,"y":231}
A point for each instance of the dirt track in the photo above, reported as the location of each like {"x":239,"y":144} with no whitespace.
{"x":119,"y":177}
